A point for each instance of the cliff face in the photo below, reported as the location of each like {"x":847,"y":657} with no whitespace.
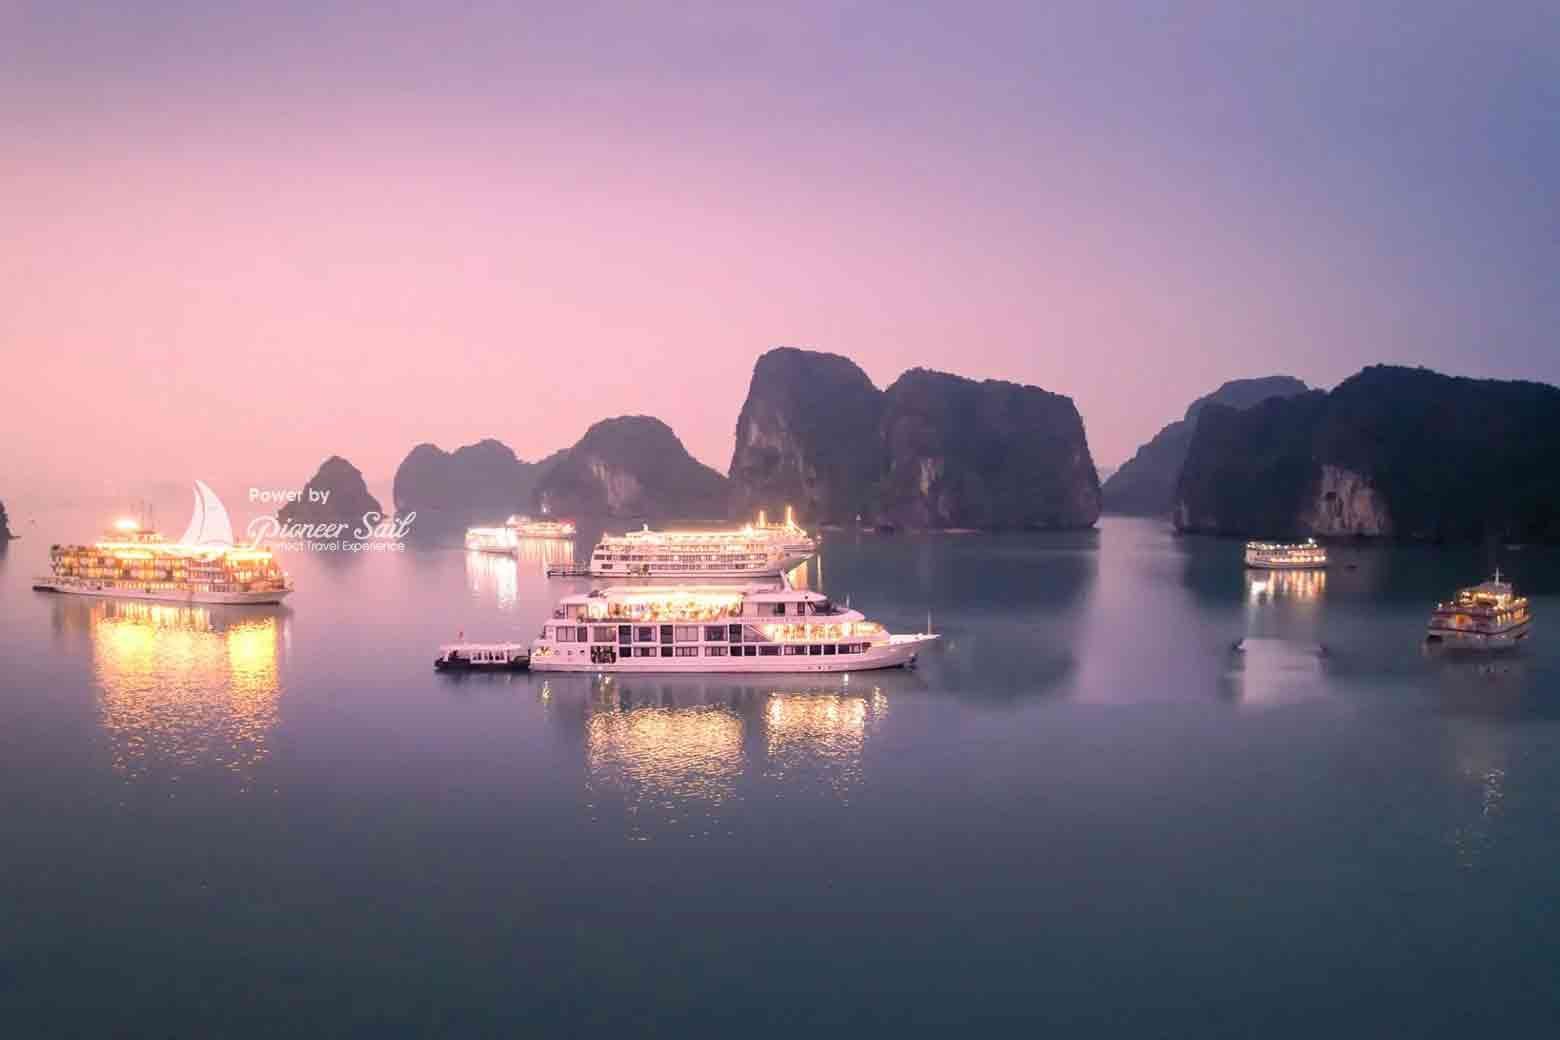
{"x":1145,"y":484}
{"x":482,"y":483}
{"x":1391,"y":451}
{"x":807,"y":436}
{"x":988,"y":455}
{"x":5,"y":526}
{"x":631,"y":467}
{"x":336,"y":493}
{"x":933,"y":450}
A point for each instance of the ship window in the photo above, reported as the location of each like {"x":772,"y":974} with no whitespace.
{"x":769,"y":651}
{"x":750,"y":651}
{"x":830,"y":649}
{"x":666,"y":633}
{"x":666,"y":651}
{"x":714,"y":651}
{"x":603,"y":634}
{"x":687,"y":633}
{"x":582,"y":634}
{"x":687,"y":651}
{"x":625,"y":633}
{"x":814,"y":650}
{"x":644,"y":634}
{"x":565,"y":633}
{"x":714,"y":633}
{"x":734,"y":633}
{"x":795,"y":651}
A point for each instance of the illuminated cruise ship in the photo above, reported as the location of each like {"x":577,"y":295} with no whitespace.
{"x":1488,"y":616}
{"x":754,"y":550}
{"x":507,"y":539}
{"x":1285,"y":556}
{"x":204,"y":566}
{"x":715,"y":629}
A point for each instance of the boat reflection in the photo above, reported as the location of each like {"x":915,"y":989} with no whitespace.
{"x":181,"y":686}
{"x":1300,"y":586}
{"x":493,"y":576}
{"x":544,"y":552}
{"x":680,"y":749}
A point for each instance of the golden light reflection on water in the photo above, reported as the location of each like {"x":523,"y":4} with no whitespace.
{"x":182,"y":686}
{"x":684,"y":749}
{"x":665,"y":755}
{"x":821,"y":732}
{"x":1298,"y":586}
{"x":545,"y":551}
{"x":491,"y":575}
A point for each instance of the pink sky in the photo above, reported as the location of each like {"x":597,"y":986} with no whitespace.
{"x":354,"y":235}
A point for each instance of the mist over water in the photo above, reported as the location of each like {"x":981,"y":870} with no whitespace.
{"x":1084,"y":809}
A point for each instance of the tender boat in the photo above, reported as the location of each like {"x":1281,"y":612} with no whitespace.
{"x":203,"y":566}
{"x":754,"y":550}
{"x":1488,"y":616}
{"x":1285,"y":555}
{"x":482,"y":657}
{"x":507,"y":539}
{"x":715,"y":629}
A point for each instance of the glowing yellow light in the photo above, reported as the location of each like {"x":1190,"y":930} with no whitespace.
{"x":126,"y":524}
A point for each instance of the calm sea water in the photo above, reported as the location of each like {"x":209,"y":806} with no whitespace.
{"x":1082,"y":811}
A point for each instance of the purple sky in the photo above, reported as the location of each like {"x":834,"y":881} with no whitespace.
{"x":237,"y":241}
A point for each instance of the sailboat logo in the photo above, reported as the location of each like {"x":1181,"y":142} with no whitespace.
{"x":209,"y":526}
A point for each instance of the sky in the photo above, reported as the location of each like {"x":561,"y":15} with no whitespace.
{"x":238,"y":238}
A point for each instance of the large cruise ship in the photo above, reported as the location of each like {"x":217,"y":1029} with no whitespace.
{"x":715,"y":629}
{"x":507,"y":539}
{"x":753,"y":550}
{"x":203,"y":566}
{"x":1488,"y":616}
{"x":1279,"y":556}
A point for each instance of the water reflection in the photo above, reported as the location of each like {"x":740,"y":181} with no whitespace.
{"x":681,"y":749}
{"x":1264,"y":587}
{"x":1265,"y":672}
{"x":544,"y":552}
{"x":492,"y":576}
{"x":181,"y":686}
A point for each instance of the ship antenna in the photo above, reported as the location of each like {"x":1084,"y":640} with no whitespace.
{"x":928,"y":622}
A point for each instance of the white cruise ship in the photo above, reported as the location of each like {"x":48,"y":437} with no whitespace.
{"x":1488,"y":616}
{"x":754,"y":550}
{"x":715,"y":629}
{"x":507,"y":539}
{"x":1286,"y":556}
{"x":203,"y":566}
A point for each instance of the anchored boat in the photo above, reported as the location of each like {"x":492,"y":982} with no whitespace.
{"x":716,"y":629}
{"x":203,"y":566}
{"x":1285,"y":555}
{"x":754,"y":550}
{"x":1487,"y":616}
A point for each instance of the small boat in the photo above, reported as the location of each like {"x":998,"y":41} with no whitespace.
{"x":1488,"y":616}
{"x":483,"y":657}
{"x":1285,"y":555}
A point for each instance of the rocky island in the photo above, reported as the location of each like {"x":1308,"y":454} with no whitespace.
{"x":482,"y":483}
{"x":5,"y":526}
{"x":934,"y":450}
{"x":336,"y":493}
{"x":1392,"y":451}
{"x":631,"y":468}
{"x":1145,"y":484}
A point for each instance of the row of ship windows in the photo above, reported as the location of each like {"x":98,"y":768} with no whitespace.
{"x":825,"y":608}
{"x":607,"y":654}
{"x":666,"y":634}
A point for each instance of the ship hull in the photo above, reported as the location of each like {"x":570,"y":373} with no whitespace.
{"x":1258,"y":564}
{"x":107,"y":591}
{"x":899,"y":652}
{"x":1484,"y":642}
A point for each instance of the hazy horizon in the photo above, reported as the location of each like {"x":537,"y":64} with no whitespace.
{"x":242,"y":240}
